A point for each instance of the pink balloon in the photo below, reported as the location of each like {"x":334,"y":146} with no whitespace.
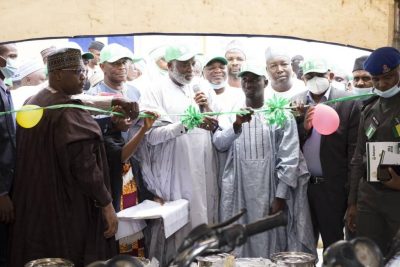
{"x":326,"y":120}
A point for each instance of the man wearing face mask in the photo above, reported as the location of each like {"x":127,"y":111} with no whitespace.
{"x":8,"y":55}
{"x":327,"y":156}
{"x":340,"y":79}
{"x":362,"y":80}
{"x":215,"y":72}
{"x":362,"y":84}
{"x":378,"y":216}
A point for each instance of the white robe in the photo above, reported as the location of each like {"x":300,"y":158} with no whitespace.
{"x":229,"y":99}
{"x":176,"y":164}
{"x":264,"y":162}
{"x":297,"y":88}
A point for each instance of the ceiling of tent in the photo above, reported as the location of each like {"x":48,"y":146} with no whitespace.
{"x":360,"y":23}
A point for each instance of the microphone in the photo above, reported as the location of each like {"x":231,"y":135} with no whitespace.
{"x":196,"y":88}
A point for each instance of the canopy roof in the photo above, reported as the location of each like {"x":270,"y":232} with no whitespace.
{"x":360,"y":23}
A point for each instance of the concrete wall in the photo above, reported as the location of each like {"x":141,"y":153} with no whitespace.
{"x":361,"y":23}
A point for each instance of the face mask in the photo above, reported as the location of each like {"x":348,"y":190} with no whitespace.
{"x":10,"y":69}
{"x":361,"y":91}
{"x":218,"y":86}
{"x":338,"y":85}
{"x":388,"y":93}
{"x":317,"y":85}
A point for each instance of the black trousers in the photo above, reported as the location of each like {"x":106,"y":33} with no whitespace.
{"x":3,"y":244}
{"x":378,"y":213}
{"x":327,"y":212}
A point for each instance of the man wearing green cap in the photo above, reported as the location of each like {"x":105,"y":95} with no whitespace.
{"x":114,"y":62}
{"x":327,"y":156}
{"x":265,"y":173}
{"x":215,"y":72}
{"x":177,"y":162}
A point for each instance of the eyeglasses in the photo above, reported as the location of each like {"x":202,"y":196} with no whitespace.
{"x":78,"y":71}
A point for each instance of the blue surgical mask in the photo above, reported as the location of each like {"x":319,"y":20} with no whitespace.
{"x":361,"y":91}
{"x":388,"y":93}
{"x":10,"y":69}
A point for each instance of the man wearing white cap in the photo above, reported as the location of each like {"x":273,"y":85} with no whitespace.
{"x":157,"y":65}
{"x":176,"y":162}
{"x":265,"y":173}
{"x":31,"y":77}
{"x":236,"y":57}
{"x":283,"y":81}
{"x":30,"y":73}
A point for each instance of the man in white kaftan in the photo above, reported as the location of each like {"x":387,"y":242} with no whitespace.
{"x":265,"y":172}
{"x":283,"y":80}
{"x":177,"y":162}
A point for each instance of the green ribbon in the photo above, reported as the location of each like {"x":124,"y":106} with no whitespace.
{"x":275,"y":111}
{"x":64,"y":106}
{"x":192,"y":118}
{"x":347,"y":98}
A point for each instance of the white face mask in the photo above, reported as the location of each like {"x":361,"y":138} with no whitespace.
{"x":388,"y":93}
{"x":361,"y":91}
{"x":338,"y":85}
{"x":218,"y":86}
{"x":317,"y":85}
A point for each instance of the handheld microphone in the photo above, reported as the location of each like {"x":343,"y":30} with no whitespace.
{"x":196,"y":88}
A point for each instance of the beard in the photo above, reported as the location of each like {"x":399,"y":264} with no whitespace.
{"x":180,"y":78}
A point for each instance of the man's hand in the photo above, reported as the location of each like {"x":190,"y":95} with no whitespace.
{"x":158,"y":200}
{"x":202,"y":101}
{"x":240,"y":119}
{"x":209,"y":124}
{"x":351,"y":216}
{"x":120,"y":123}
{"x":129,"y":108}
{"x":148,"y":122}
{"x":6,"y":209}
{"x":277,"y":205}
{"x":111,"y":221}
{"x":308,"y":118}
{"x":393,"y":183}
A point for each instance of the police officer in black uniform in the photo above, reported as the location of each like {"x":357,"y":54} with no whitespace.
{"x":378,"y":203}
